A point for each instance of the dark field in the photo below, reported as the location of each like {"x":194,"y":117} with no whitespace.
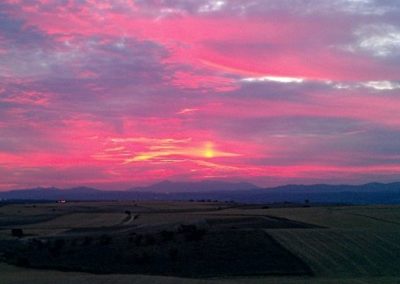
{"x":208,"y":241}
{"x":217,"y":253}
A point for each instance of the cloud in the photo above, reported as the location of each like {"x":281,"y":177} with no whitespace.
{"x":284,"y":80}
{"x":380,"y":40}
{"x":137,"y":91}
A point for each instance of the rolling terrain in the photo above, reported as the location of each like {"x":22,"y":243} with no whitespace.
{"x":199,"y":242}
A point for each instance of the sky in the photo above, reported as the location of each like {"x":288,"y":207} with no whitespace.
{"x":119,"y":93}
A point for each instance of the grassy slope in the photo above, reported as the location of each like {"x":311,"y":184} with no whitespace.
{"x":348,"y":253}
{"x":360,"y":242}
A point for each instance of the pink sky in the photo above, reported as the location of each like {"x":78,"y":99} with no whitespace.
{"x":119,"y":93}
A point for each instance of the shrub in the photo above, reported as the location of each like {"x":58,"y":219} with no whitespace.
{"x":8,"y":255}
{"x":195,"y":235}
{"x":173,"y":254}
{"x":19,"y":233}
{"x":58,"y":244}
{"x":186,"y":228}
{"x":74,"y":242}
{"x":138,"y":240}
{"x":22,"y":261}
{"x":167,"y":235}
{"x":87,"y":241}
{"x":149,"y":240}
{"x":56,"y":247}
{"x":143,"y":259}
{"x":38,"y":244}
{"x":191,"y":232}
{"x":105,"y":240}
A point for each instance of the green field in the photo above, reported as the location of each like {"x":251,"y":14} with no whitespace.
{"x":191,"y":242}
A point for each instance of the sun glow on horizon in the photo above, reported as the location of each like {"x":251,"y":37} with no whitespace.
{"x":209,"y":150}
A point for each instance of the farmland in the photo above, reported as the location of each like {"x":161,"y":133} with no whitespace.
{"x":199,"y":242}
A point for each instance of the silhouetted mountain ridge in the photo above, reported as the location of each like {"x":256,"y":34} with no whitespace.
{"x":368,"y":187}
{"x":49,"y":193}
{"x":370,"y":193}
{"x":167,"y":186}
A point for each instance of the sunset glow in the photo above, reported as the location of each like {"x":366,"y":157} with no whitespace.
{"x":114,"y":94}
{"x":209,"y":151}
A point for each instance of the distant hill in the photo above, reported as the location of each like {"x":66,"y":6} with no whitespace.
{"x":201,"y":186}
{"x":50,"y":193}
{"x":371,"y":193}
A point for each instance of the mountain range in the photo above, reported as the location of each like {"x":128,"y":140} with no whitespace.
{"x":370,"y":193}
{"x":201,"y":186}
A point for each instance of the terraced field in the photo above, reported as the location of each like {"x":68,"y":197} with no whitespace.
{"x":347,"y":217}
{"x":348,"y":253}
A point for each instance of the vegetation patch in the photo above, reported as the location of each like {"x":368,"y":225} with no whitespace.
{"x":188,"y":252}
